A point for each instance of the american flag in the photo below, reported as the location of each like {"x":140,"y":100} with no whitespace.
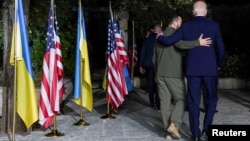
{"x":117,"y":59}
{"x":52,"y":88}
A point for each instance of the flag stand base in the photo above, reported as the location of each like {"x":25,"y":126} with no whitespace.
{"x":109,"y":116}
{"x":114,"y":112}
{"x":81,"y":122}
{"x":54,"y":133}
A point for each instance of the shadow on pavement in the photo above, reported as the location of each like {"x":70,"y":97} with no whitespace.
{"x":241,"y":97}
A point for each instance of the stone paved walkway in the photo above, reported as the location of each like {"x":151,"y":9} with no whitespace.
{"x":136,"y":121}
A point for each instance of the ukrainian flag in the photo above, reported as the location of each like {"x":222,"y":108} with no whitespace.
{"x":27,"y":107}
{"x":82,"y":81}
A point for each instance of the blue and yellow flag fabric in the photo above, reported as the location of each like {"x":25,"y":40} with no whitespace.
{"x":27,"y":107}
{"x":82,"y":82}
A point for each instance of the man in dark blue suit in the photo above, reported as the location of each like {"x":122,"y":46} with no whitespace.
{"x":146,"y":66}
{"x":202,"y":64}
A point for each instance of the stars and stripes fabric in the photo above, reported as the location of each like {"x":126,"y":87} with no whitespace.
{"x":82,"y":83}
{"x":123,"y":55}
{"x":21,"y":59}
{"x":120,"y":43}
{"x":117,"y":58}
{"x":52,"y":86}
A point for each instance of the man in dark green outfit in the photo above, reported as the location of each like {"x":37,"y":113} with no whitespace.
{"x":170,"y":78}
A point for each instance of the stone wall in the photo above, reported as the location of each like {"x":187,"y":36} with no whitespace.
{"x":233,"y":83}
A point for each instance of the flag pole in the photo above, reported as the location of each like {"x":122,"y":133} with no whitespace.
{"x":54,"y":132}
{"x":109,"y":114}
{"x":112,"y":111}
{"x":132,"y":63}
{"x":14,"y":96}
{"x":132,"y":67}
{"x":81,"y":121}
{"x":15,"y":78}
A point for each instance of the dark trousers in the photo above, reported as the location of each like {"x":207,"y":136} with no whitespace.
{"x":195,"y":85}
{"x":152,"y":87}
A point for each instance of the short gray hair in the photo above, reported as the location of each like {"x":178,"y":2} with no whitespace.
{"x":199,"y":8}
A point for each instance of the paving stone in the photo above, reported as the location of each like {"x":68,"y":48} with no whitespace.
{"x":136,"y":120}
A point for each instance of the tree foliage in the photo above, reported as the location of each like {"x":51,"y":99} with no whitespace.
{"x":67,"y":15}
{"x":150,"y":12}
{"x":235,"y":30}
{"x":232,"y":20}
{"x":157,"y":11}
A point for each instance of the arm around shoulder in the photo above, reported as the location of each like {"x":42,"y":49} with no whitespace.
{"x":187,"y":44}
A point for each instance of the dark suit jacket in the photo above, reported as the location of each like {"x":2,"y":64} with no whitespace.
{"x":200,"y":61}
{"x":147,"y":51}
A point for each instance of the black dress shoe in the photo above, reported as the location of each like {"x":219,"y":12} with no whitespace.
{"x":204,"y":136}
